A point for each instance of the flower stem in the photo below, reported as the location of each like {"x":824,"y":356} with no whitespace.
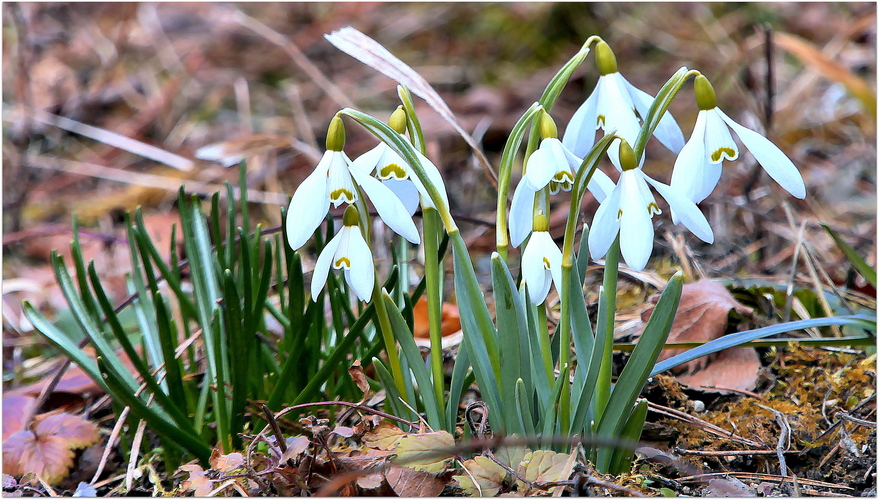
{"x":432,"y":230}
{"x":611,"y":273}
{"x":543,"y":338}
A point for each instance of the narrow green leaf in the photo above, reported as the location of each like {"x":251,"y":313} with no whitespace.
{"x":157,"y":424}
{"x":480,"y":336}
{"x":584,"y":341}
{"x":168,"y":341}
{"x":523,"y":408}
{"x":660,"y":105}
{"x":416,"y":363}
{"x":83,"y":319}
{"x":512,"y":327}
{"x":456,"y":387}
{"x":621,"y":462}
{"x":238,"y":362}
{"x":551,"y":416}
{"x":865,"y":321}
{"x":633,"y":377}
{"x":860,"y":265}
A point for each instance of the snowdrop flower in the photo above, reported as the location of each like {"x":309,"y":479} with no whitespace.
{"x":552,"y":166}
{"x":333,"y":180}
{"x":697,"y":168}
{"x":395,"y":172}
{"x":541,"y":262}
{"x":612,"y":106}
{"x":628,"y":210}
{"x":349,"y":252}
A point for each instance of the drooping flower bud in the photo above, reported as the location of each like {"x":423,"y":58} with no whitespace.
{"x":351,"y":216}
{"x":397,"y":121}
{"x":706,"y":99}
{"x":336,"y":134}
{"x":605,"y":59}
{"x":627,"y":156}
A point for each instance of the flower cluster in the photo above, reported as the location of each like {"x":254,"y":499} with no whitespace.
{"x":395,"y":192}
{"x":626,"y":207}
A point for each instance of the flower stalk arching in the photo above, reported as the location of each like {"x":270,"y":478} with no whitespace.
{"x":504,"y":174}
{"x":432,"y":233}
{"x":660,"y":105}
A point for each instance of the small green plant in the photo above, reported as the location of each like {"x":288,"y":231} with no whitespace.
{"x":555,"y":388}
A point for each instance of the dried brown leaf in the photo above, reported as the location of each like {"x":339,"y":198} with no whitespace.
{"x":295,"y":447}
{"x":544,"y":465}
{"x":48,"y":451}
{"x":384,"y":437}
{"x":701,"y":317}
{"x":408,"y":482}
{"x":425,"y":452}
{"x":356,"y":372}
{"x":736,"y":369}
{"x":489,"y":475}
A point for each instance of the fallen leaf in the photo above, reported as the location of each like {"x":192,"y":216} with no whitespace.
{"x":295,"y":447}
{"x":48,"y":451}
{"x":489,"y":475}
{"x":356,"y":372}
{"x":729,"y":487}
{"x":544,"y":465}
{"x":384,"y":436}
{"x":15,"y":410}
{"x":425,"y":452}
{"x":736,"y":369}
{"x":512,"y":455}
{"x":701,"y":317}
{"x":408,"y":482}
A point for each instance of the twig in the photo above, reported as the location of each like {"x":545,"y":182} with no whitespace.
{"x":865,"y":423}
{"x":612,"y":486}
{"x":111,"y":442}
{"x":135,"y":452}
{"x":730,"y":453}
{"x":783,"y":439}
{"x":276,"y":430}
{"x":760,"y":477}
{"x":697,"y":422}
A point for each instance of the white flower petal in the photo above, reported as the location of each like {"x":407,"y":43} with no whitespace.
{"x":539,"y":169}
{"x":367,"y":162}
{"x":605,"y":224}
{"x":434,"y":177}
{"x":533,"y":269}
{"x":361,"y":276}
{"x":636,"y":225}
{"x":580,"y":133}
{"x":618,"y":109}
{"x":719,"y":144}
{"x":668,"y":131}
{"x":685,"y":210}
{"x":342,"y":188}
{"x":309,"y":205}
{"x":773,"y":160}
{"x":521,"y":214}
{"x":322,"y":266}
{"x":406,"y":192}
{"x":388,"y":206}
{"x":600,"y":185}
{"x":694,"y":175}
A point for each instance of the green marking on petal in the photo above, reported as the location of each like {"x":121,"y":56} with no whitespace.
{"x":342,"y":194}
{"x":620,"y":214}
{"x":546,"y":263}
{"x":722,"y":152}
{"x":342,"y":263}
{"x":392,"y":171}
{"x":653,"y":209}
{"x":601,"y":121}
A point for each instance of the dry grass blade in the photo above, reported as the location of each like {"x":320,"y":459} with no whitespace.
{"x":170,"y":184}
{"x":817,"y":60}
{"x":116,"y":140}
{"x":374,"y":55}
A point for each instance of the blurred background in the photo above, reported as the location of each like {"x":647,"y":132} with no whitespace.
{"x":261,"y":83}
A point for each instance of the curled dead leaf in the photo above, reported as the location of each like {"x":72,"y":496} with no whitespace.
{"x":428,"y":452}
{"x":48,"y":451}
